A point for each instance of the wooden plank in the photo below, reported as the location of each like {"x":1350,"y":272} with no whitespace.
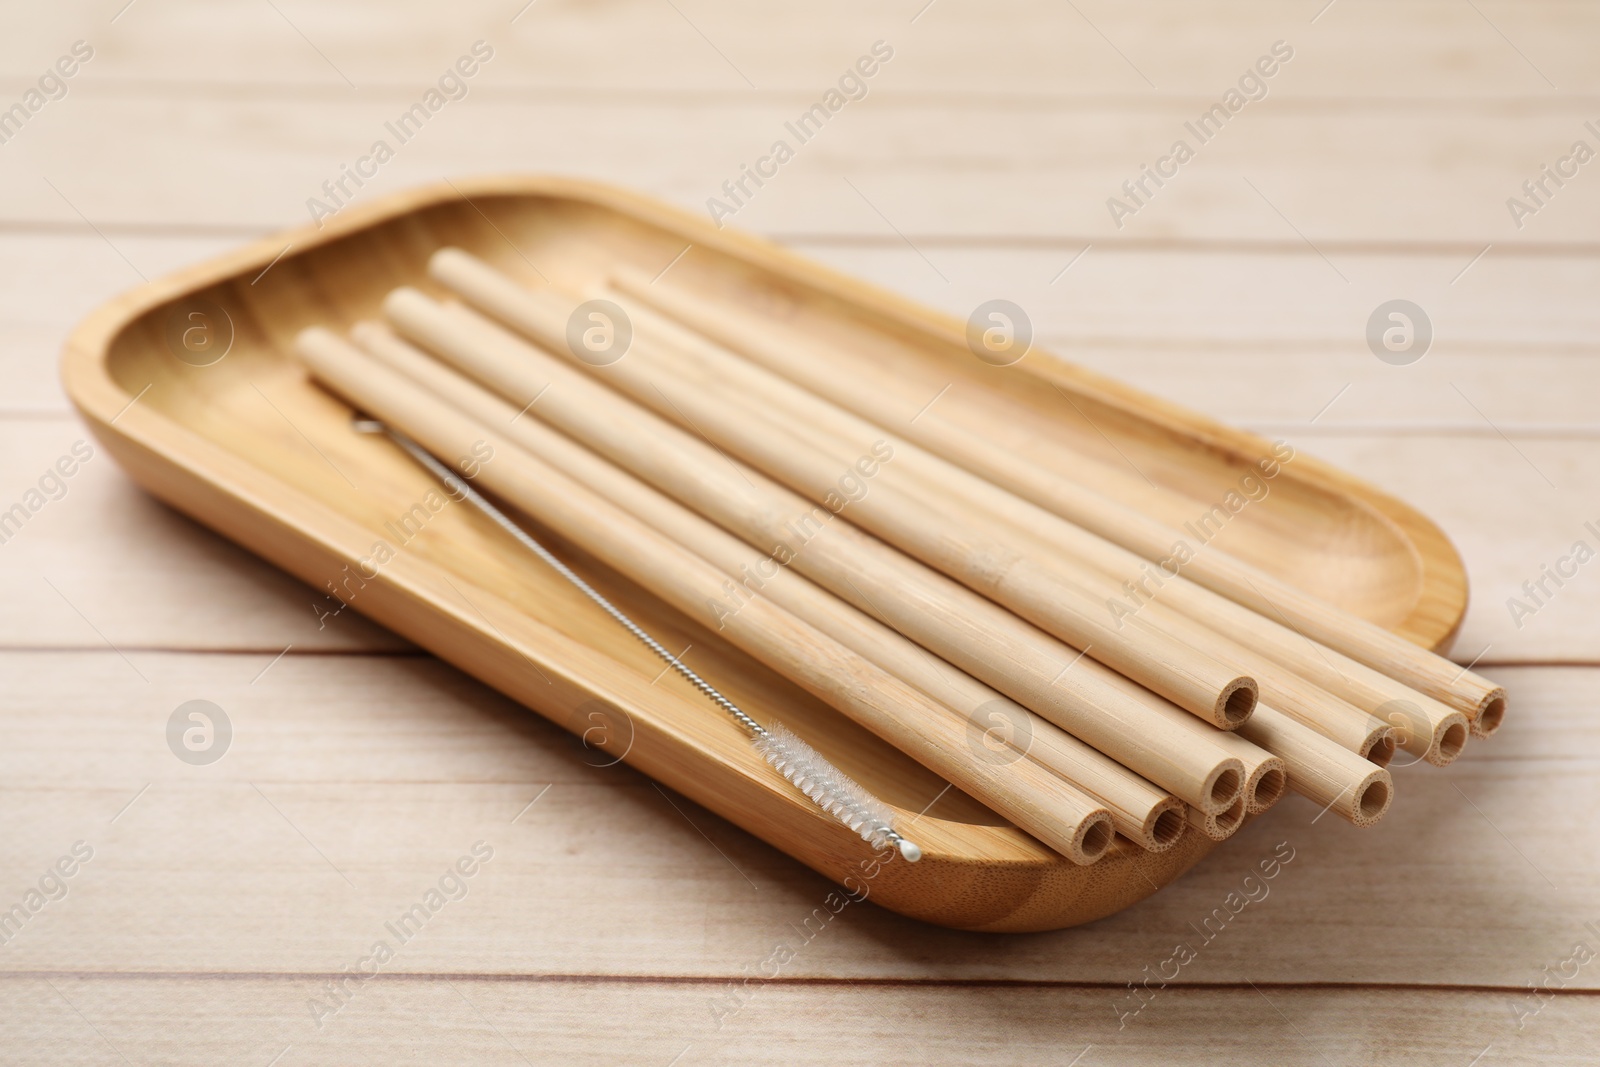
{"x":100,"y":562}
{"x":580,"y":1021}
{"x":1281,"y":172}
{"x":127,"y":570}
{"x":1254,"y":338}
{"x":1527,"y":514}
{"x":352,"y":783}
{"x":53,"y":281}
{"x":1363,"y":49}
{"x":1272,"y":339}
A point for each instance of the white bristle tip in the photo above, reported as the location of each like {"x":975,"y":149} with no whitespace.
{"x":910,"y":851}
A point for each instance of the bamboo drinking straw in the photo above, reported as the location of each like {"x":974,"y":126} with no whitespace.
{"x":1149,"y":817}
{"x":802,"y":766}
{"x":1315,"y":707}
{"x":1320,"y":770}
{"x":1360,"y":796}
{"x":1027,"y":794}
{"x":1307,"y":703}
{"x":1215,"y":625}
{"x":1312,"y":752}
{"x":965,"y":550}
{"x":1341,"y":698}
{"x":956,"y":624}
{"x":1220,"y":825}
{"x":874,"y":398}
{"x":1265,"y":774}
{"x":1341,"y":722}
{"x":1320,"y":687}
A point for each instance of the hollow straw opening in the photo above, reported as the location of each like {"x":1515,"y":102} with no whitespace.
{"x":1226,"y":785}
{"x":1096,"y":839}
{"x":1374,"y":800}
{"x":1228,"y":821}
{"x":1238,"y":704}
{"x":1453,"y":740}
{"x":1491,"y":714}
{"x":1382,"y":749}
{"x":1168,"y":827}
{"x":1269,"y":789}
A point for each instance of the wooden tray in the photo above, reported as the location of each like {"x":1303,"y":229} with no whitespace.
{"x":249,"y":447}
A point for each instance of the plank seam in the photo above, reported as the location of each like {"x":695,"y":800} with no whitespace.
{"x":795,"y":981}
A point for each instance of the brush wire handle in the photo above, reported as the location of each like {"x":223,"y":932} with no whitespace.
{"x":829,"y":788}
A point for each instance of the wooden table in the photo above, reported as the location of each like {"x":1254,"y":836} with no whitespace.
{"x":223,"y":903}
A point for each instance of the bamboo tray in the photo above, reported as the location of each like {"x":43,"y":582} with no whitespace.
{"x":249,"y":447}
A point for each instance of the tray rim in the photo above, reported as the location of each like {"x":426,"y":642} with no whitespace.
{"x":112,"y":411}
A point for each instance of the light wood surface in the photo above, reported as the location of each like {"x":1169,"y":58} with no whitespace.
{"x":1391,"y":142}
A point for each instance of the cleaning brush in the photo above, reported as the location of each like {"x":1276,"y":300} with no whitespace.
{"x":830,"y":788}
{"x":802,"y":766}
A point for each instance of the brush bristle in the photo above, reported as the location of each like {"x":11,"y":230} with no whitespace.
{"x":827,"y":786}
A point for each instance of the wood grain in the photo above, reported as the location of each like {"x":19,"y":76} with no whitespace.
{"x":1359,"y":180}
{"x":1224,"y":327}
{"x":200,"y":125}
{"x":391,"y":767}
{"x":578,"y":1020}
{"x":159,"y":554}
{"x":1365,"y":50}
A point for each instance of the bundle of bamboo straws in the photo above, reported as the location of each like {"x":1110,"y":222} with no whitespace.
{"x":968,"y":586}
